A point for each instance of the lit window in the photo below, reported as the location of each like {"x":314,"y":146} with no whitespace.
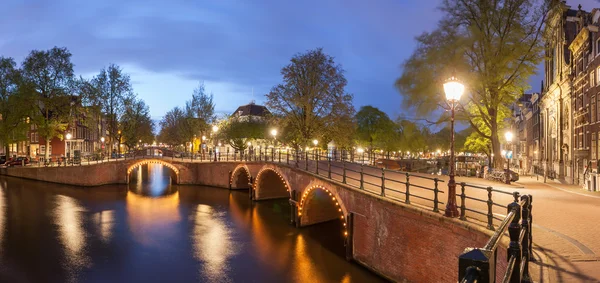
{"x":592,"y":79}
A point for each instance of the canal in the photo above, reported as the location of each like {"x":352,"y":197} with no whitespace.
{"x":152,"y":231}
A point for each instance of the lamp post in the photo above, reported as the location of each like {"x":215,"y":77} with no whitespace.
{"x":315,"y":143}
{"x":69,"y":136}
{"x":274,"y":134}
{"x":509,"y":137}
{"x":215,"y":129}
{"x":202,"y":145}
{"x":454,"y":90}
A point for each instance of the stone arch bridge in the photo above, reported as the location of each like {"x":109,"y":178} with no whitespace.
{"x":387,"y":236}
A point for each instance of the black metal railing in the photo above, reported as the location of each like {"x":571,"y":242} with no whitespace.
{"x":479,"y":264}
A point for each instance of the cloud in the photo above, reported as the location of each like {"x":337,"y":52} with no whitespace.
{"x":233,"y":46}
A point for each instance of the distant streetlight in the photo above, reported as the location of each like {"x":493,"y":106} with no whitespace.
{"x":315,"y":142}
{"x":454,"y":90}
{"x":215,"y":128}
{"x":69,"y":136}
{"x":274,"y":133}
{"x":102,"y":139}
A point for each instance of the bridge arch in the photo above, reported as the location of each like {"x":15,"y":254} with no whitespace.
{"x":241,"y":178}
{"x":270,"y":183}
{"x":320,"y":204}
{"x":139,"y":163}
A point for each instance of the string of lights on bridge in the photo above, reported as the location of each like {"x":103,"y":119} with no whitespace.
{"x":333,"y":198}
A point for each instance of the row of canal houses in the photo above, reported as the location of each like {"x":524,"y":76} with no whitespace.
{"x":87,"y":137}
{"x":558,"y":130}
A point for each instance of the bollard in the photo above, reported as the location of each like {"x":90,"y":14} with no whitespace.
{"x":329,"y":167}
{"x":435,"y":195}
{"x":490,"y":214}
{"x":407,"y":187}
{"x":531,"y":258}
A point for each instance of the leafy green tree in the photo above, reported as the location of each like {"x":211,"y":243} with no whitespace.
{"x":49,"y":77}
{"x":237,"y":133}
{"x":14,"y":109}
{"x":136,"y":123}
{"x":491,"y":46}
{"x":411,"y":137}
{"x":376,"y":129}
{"x":171,"y":127}
{"x":311,"y":101}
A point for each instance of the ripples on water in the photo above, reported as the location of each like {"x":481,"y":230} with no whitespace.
{"x":152,"y":231}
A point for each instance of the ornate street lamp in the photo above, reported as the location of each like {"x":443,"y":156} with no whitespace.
{"x":509,"y":137}
{"x":454,"y":90}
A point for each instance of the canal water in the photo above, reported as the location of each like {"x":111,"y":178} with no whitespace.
{"x":152,"y":231}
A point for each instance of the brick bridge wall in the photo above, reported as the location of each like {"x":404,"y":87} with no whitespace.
{"x":399,"y":241}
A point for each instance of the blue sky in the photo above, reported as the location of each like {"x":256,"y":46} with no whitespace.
{"x":235,"y":47}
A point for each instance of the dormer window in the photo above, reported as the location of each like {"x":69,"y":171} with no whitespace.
{"x":597,"y":46}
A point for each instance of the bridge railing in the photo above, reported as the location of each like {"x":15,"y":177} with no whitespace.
{"x":480,"y":264}
{"x":480,"y":203}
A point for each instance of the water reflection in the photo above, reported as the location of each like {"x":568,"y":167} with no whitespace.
{"x":69,"y":219}
{"x":55,"y":233}
{"x":152,"y":180}
{"x":213,"y":244}
{"x":105,"y":222}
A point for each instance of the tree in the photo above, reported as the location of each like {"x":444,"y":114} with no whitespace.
{"x":375,"y":128}
{"x":136,"y":123}
{"x":477,"y":144}
{"x":106,"y":95}
{"x":170,"y":127}
{"x":311,"y":101}
{"x":49,"y":76}
{"x":238,"y":133}
{"x":14,"y":108}
{"x":492,"y":46}
{"x":411,"y":137}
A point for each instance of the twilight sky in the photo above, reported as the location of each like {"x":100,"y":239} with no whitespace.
{"x":235,"y":47}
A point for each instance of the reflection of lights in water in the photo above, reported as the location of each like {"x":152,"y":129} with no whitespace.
{"x":72,"y":235}
{"x":149,"y":218}
{"x":105,"y":221}
{"x":151,"y":180}
{"x":213,"y":244}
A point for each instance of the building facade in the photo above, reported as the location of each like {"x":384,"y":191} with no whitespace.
{"x":555,"y":103}
{"x":565,"y":134}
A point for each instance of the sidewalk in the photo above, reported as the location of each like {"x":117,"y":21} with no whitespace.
{"x":565,"y":227}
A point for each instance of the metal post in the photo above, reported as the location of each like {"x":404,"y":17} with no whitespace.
{"x":230,"y":180}
{"x":343,"y":172}
{"x":287,"y":157}
{"x":382,"y":182}
{"x":490,"y":215}
{"x":329,"y":167}
{"x":463,"y":199}
{"x":407,"y":188}
{"x":451,"y":210}
{"x":525,"y":242}
{"x":227,"y":156}
{"x":514,"y":247}
{"x":279,"y":158}
{"x":306,"y":161}
{"x":436,"y":191}
{"x":530,"y":226}
{"x":317,"y":164}
{"x":362,"y":187}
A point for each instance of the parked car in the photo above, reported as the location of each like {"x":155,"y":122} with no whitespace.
{"x":2,"y":159}
{"x":17,"y":162}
